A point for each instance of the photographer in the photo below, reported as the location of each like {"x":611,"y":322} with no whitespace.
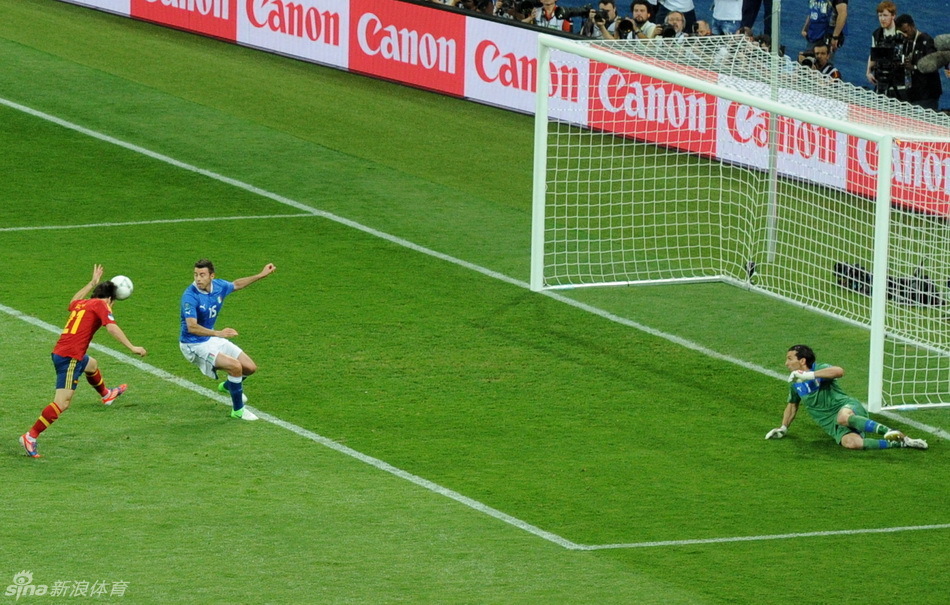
{"x":819,"y":59}
{"x":925,"y":88}
{"x":602,"y":24}
{"x":517,"y":10}
{"x":550,"y":16}
{"x":886,"y":62}
{"x":640,"y":27}
{"x":686,"y":8}
{"x":674,"y":26}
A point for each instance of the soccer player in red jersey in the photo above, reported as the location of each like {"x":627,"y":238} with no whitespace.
{"x":86,"y":316}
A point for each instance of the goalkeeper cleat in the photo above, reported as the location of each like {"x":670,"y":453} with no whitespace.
{"x":29,"y":444}
{"x":893,"y":435}
{"x":113,"y":394}
{"x":243,"y":414}
{"x":917,"y":444}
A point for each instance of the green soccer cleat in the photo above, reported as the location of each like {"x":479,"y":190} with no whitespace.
{"x":243,"y":414}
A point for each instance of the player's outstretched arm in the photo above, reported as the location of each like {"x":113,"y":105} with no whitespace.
{"x":119,"y":335}
{"x":791,"y":410}
{"x":85,"y":290}
{"x":244,"y":282}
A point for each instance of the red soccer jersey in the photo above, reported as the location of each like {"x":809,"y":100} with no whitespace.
{"x":85,"y":318}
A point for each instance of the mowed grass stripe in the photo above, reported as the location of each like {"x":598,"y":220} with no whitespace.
{"x":293,"y":428}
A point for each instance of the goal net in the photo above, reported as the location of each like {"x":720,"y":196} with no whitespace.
{"x":708,"y":159}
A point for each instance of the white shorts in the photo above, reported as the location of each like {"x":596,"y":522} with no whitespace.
{"x":203,"y":354}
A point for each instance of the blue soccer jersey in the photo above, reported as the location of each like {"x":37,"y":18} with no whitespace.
{"x":203,"y":306}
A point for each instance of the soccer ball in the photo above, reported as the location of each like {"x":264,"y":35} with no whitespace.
{"x":123,"y":287}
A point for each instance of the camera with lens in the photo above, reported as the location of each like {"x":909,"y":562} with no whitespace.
{"x":665,"y":31}
{"x":526,"y":6}
{"x":889,"y":70}
{"x":808,"y":59}
{"x":600,"y":16}
{"x":572,"y":12}
{"x":625,"y":29}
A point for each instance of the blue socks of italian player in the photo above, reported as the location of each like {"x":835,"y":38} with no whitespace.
{"x":235,"y":386}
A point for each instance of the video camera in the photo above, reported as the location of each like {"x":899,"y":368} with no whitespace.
{"x":889,"y":70}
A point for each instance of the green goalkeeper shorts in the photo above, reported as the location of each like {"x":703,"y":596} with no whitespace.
{"x":829,"y":422}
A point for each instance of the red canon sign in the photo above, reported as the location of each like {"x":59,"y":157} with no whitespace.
{"x":216,"y":18}
{"x":650,"y":110}
{"x":408,"y":43}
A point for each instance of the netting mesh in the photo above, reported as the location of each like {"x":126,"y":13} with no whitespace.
{"x":654,"y":181}
{"x":735,"y":62}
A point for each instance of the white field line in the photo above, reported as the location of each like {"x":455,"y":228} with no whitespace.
{"x":812,"y":534}
{"x":154,"y":222}
{"x":379,"y":464}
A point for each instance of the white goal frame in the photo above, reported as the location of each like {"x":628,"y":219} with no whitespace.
{"x":885,"y":140}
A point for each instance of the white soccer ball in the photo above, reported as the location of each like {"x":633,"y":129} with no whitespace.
{"x":123,"y":287}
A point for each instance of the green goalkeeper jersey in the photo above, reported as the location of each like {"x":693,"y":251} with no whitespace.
{"x":823,"y":399}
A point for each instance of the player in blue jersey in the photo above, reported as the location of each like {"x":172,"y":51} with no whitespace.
{"x":209,"y":349}
{"x":843,"y":417}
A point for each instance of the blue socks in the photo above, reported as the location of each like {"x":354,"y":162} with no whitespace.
{"x":235,"y":386}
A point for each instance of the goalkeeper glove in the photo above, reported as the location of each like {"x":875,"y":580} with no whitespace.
{"x":777,"y":433}
{"x":800,"y":376}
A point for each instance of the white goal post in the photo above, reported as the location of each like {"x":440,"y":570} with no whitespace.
{"x":709,"y":159}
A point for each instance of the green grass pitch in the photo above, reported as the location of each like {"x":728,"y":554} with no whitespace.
{"x":431,"y":357}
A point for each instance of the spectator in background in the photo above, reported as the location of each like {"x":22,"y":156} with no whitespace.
{"x":750,"y":12}
{"x":925,"y":88}
{"x":485,"y":7}
{"x":887,"y":43}
{"x":702,"y":29}
{"x":549,"y":16}
{"x":826,"y":23}
{"x":726,"y":17}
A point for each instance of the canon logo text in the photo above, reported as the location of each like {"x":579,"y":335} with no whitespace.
{"x":405,"y":45}
{"x":920,"y":168}
{"x":219,"y":9}
{"x":654,"y":102}
{"x":295,"y":19}
{"x":748,"y":125}
{"x":520,"y":73}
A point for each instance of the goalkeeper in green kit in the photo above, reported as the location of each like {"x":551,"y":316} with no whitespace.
{"x":838,"y":414}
